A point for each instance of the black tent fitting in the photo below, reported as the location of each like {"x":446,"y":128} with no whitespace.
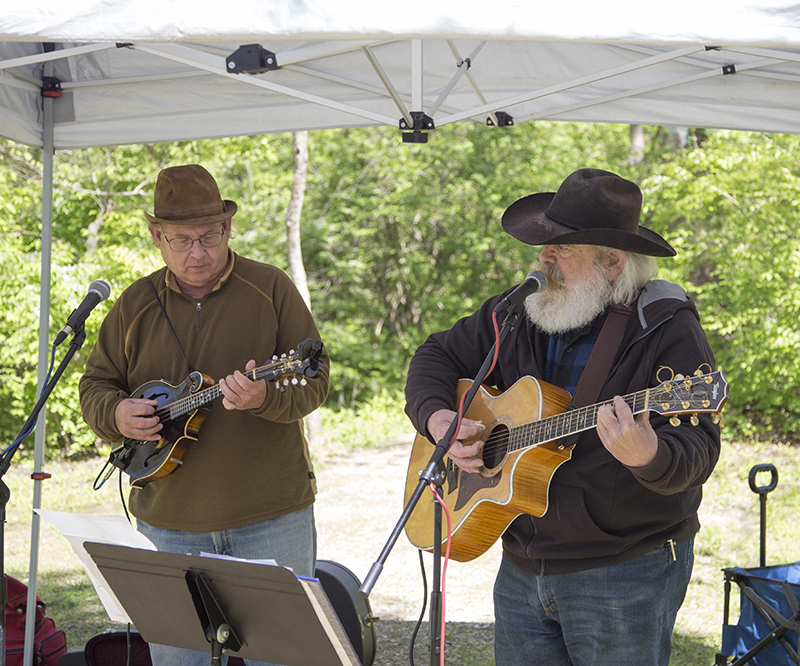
{"x":503,"y":119}
{"x":251,"y":59}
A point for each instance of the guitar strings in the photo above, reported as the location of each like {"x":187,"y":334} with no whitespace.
{"x":553,"y":427}
{"x":508,"y":440}
{"x":196,"y":400}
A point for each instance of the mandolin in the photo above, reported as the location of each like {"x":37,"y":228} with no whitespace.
{"x":183,"y":408}
{"x":522,"y":451}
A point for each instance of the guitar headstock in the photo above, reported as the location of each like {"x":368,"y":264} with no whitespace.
{"x":700,"y":393}
{"x":293,"y":367}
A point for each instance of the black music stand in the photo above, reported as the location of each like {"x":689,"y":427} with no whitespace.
{"x":258,"y":611}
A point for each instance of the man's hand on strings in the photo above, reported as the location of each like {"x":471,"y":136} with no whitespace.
{"x":135,"y":419}
{"x":630,"y":440}
{"x":241,"y":392}
{"x":466,"y":457}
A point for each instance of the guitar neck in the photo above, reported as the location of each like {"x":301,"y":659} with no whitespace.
{"x":570,"y":422}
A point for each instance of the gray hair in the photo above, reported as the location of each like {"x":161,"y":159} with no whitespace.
{"x":639,"y":269}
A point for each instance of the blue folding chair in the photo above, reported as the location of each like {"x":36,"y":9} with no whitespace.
{"x":768,"y":631}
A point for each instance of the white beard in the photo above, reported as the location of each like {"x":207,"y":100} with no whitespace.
{"x":566,"y":307}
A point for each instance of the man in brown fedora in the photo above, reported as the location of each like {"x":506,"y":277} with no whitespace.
{"x":246,"y":486}
{"x":598,"y":577}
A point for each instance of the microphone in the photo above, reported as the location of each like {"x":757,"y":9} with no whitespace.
{"x":535,"y":281}
{"x":99,"y":290}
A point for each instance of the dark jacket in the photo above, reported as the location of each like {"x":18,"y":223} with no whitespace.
{"x":600,"y":512}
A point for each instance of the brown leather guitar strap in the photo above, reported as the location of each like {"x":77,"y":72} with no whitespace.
{"x":177,"y":342}
{"x":597,"y":367}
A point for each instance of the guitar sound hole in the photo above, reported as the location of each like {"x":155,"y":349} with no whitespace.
{"x":495,"y":447}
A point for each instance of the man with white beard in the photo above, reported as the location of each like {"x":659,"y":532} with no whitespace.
{"x":600,"y":576}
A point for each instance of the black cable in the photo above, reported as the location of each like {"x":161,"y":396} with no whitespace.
{"x":422,"y":612}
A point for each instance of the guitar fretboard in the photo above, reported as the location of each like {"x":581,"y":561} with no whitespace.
{"x":569,"y":422}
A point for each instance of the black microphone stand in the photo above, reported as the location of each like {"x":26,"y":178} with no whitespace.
{"x":434,"y":473}
{"x":5,"y":463}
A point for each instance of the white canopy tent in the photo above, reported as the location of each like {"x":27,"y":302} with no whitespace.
{"x":103,"y":72}
{"x":134,"y":71}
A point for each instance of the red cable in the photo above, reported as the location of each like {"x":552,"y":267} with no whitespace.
{"x":460,"y":417}
{"x":444,"y":568}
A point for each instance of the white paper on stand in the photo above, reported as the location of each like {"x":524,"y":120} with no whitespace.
{"x":78,"y":528}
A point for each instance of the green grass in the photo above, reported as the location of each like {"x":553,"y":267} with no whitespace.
{"x":729,"y":537}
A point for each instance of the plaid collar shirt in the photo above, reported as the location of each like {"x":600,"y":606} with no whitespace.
{"x":568,"y":354}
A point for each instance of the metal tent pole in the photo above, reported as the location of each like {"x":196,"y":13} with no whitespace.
{"x":48,"y":152}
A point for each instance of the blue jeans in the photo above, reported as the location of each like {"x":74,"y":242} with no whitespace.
{"x":621,"y":614}
{"x":290,"y":540}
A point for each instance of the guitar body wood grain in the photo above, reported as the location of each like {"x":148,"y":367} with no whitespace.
{"x":483,"y":505}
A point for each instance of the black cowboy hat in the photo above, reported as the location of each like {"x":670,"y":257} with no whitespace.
{"x":591,"y":207}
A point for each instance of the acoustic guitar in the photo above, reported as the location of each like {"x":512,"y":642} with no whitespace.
{"x":523,"y":450}
{"x":183,"y":408}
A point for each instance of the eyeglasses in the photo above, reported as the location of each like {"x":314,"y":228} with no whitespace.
{"x":184,"y":243}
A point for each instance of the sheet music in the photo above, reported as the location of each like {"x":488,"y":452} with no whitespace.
{"x":78,"y":528}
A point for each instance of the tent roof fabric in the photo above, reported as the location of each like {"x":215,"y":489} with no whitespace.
{"x":143,"y":71}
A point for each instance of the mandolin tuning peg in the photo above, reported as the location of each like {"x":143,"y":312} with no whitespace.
{"x":679,"y":377}
{"x":286,"y":382}
{"x":303,"y":382}
{"x":674,"y":421}
{"x":294,"y":381}
{"x":277,"y":385}
{"x":715,"y":418}
{"x":274,"y":357}
{"x":694,"y":420}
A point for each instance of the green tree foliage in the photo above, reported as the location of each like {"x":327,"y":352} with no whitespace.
{"x":403,"y":239}
{"x":400,"y":240}
{"x":730,"y":208}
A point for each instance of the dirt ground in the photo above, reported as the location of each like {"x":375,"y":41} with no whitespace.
{"x":359,"y":504}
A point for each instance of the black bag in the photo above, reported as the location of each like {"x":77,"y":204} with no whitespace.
{"x":111,"y":649}
{"x":49,"y":643}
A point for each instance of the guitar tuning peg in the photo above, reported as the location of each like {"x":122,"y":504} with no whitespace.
{"x":277,"y":385}
{"x":674,"y":421}
{"x":679,"y":377}
{"x":694,"y":420}
{"x":286,"y":382}
{"x":294,"y":381}
{"x":283,"y":355}
{"x":715,"y":418}
{"x":303,"y":382}
{"x":274,"y":357}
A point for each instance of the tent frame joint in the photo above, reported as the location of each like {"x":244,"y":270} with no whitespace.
{"x":418,"y":132}
{"x":51,"y":86}
{"x":504,"y":119}
{"x":251,"y":59}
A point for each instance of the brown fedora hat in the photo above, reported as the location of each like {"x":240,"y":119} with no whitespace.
{"x":591,"y":207}
{"x":188,"y":195}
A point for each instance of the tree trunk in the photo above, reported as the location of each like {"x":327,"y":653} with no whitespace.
{"x":295,"y":250}
{"x":636,"y":151}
